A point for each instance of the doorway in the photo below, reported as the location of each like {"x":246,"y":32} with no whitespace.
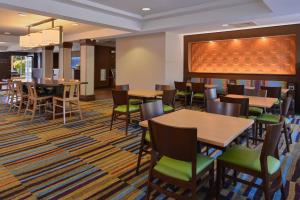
{"x":21,"y":66}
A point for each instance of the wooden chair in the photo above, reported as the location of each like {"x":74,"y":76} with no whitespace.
{"x":168,"y":100}
{"x":162,"y":87}
{"x":181,"y":167}
{"x":223,"y":108}
{"x":21,"y":96}
{"x":235,"y":89}
{"x":34,"y":101}
{"x":266,"y":119}
{"x":126,"y":88}
{"x":274,"y":92}
{"x":122,"y":107}
{"x":256,"y":111}
{"x":11,"y":94}
{"x":148,"y":111}
{"x":68,"y":101}
{"x":198,"y":90}
{"x":182,"y":91}
{"x":264,"y":164}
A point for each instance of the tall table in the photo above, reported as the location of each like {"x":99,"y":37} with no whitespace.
{"x":212,"y":129}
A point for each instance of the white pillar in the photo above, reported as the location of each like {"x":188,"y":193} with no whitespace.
{"x":87,"y":68}
{"x":47,"y":61}
{"x":65,"y":56}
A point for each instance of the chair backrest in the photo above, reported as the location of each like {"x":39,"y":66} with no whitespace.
{"x":71,"y":90}
{"x":120,"y":97}
{"x":122,"y":87}
{"x":19,"y":88}
{"x":168,"y":97}
{"x":151,"y":110}
{"x":235,"y":89}
{"x":244,"y":102}
{"x":10,"y":86}
{"x":285,"y":106}
{"x":257,"y":93}
{"x":162,"y":87}
{"x":198,"y":87}
{"x":272,"y":92}
{"x":223,"y":108}
{"x":270,"y":145}
{"x":32,"y":90}
{"x":166,"y":140}
{"x":180,"y":86}
{"x":211,"y":94}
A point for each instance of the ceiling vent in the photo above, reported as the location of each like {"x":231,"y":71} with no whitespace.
{"x":243,"y":24}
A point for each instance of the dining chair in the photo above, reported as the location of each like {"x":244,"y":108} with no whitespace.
{"x":182,"y":91}
{"x":148,"y":111}
{"x":267,"y":118}
{"x":35,"y":101}
{"x":162,"y":87}
{"x":235,"y":89}
{"x":264,"y":164}
{"x":69,"y":101}
{"x":21,"y":96}
{"x":175,"y":161}
{"x":243,"y":102}
{"x":223,"y":108}
{"x":256,"y":111}
{"x":122,"y":107}
{"x":198,"y":90}
{"x":274,"y":92}
{"x":126,"y":88}
{"x":168,"y":100}
{"x":11,"y":94}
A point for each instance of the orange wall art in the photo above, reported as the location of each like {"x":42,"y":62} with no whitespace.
{"x":263,"y":55}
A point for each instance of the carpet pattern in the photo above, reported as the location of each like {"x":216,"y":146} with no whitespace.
{"x":44,"y":159}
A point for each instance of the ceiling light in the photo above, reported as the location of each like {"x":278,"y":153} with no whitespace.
{"x":75,"y":24}
{"x":22,"y":14}
{"x":225,"y":25}
{"x":146,"y":9}
{"x":7,"y":33}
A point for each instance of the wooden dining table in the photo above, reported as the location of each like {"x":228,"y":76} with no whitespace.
{"x":262,"y":102}
{"x":143,"y":93}
{"x":283,"y":90}
{"x":212,"y":129}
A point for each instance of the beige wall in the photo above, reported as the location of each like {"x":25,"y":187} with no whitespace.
{"x":143,"y":61}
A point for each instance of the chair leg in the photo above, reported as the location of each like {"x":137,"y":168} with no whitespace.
{"x":127,"y":123}
{"x":286,"y":138}
{"x":140,"y":154}
{"x":254,"y":134}
{"x":266,"y":189}
{"x":211,"y":180}
{"x":149,"y":189}
{"x":112,"y":120}
{"x":27,"y":106}
{"x":219,"y":177}
{"x":54,"y":109}
{"x":34,"y":109}
{"x":80,"y":111}
{"x":64,"y":111}
{"x":20,"y":105}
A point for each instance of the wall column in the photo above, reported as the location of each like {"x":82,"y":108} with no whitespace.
{"x":87,"y":68}
{"x":65,"y":56}
{"x":47,"y":61}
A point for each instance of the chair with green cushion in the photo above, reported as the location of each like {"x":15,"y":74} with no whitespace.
{"x":266,"y":119}
{"x":174,"y":161}
{"x":198,"y":90}
{"x":235,"y":89}
{"x":148,"y":111}
{"x":256,"y":111}
{"x":160,"y":87}
{"x":274,"y":92}
{"x":182,"y":91}
{"x":122,"y":107}
{"x":168,"y":100}
{"x":126,"y":88}
{"x":264,"y":164}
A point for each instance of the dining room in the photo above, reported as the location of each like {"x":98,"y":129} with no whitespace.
{"x":143,"y":100}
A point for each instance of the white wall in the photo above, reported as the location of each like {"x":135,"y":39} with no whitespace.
{"x":143,"y":61}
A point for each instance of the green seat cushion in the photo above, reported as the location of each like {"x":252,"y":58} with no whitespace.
{"x":182,"y":93}
{"x":269,"y":118}
{"x":198,"y":95}
{"x":255,"y":111}
{"x":132,"y":108}
{"x":135,"y":101}
{"x":147,"y":137}
{"x":248,"y":158}
{"x":168,"y":108}
{"x":181,"y":170}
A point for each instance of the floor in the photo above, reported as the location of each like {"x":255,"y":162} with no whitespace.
{"x":44,"y":159}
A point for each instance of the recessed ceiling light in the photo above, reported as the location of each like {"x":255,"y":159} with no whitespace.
{"x":146,"y":9}
{"x":75,"y":24}
{"x":22,"y":14}
{"x":7,"y":33}
{"x":225,"y":25}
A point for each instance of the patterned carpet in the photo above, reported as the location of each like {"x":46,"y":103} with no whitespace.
{"x":45,"y":159}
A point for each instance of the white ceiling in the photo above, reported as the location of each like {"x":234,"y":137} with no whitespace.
{"x":117,"y":18}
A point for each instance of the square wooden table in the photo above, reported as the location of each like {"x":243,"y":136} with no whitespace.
{"x":212,"y":129}
{"x":283,"y":90}
{"x":262,"y":102}
{"x":145,"y":93}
